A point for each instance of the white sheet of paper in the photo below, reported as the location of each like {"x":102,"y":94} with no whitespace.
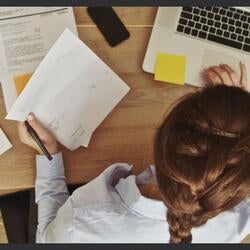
{"x":26,"y":35}
{"x":3,"y":60}
{"x":71,"y":92}
{"x":86,"y":140}
{"x":5,"y":144}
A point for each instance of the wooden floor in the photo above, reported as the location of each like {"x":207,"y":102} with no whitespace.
{"x":3,"y":238}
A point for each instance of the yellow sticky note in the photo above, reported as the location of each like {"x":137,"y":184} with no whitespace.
{"x":170,"y":68}
{"x":21,"y":81}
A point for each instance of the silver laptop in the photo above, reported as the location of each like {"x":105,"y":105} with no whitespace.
{"x":206,"y":36}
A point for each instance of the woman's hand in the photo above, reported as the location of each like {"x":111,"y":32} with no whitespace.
{"x":223,"y":74}
{"x":46,"y":136}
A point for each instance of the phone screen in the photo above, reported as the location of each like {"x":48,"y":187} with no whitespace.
{"x":109,"y":24}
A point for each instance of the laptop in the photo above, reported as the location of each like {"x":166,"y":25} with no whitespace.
{"x":206,"y":36}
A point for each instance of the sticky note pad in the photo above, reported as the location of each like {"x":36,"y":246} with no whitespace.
{"x":21,"y":81}
{"x":170,"y":68}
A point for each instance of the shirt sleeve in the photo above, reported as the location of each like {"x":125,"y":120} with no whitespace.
{"x":50,"y":188}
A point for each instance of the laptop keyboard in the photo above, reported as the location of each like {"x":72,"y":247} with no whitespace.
{"x":225,"y":25}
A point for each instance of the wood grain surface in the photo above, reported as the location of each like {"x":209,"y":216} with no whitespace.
{"x":127,"y":133}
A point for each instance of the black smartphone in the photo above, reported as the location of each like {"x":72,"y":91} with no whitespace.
{"x":109,"y":24}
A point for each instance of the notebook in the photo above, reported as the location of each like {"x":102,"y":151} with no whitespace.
{"x":71,"y":92}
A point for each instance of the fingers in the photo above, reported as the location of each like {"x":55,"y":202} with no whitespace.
{"x":36,"y":125}
{"x":46,"y":136}
{"x":223,"y":75}
{"x":23,"y":132}
{"x":212,"y":77}
{"x":243,"y":75}
{"x":231,"y":74}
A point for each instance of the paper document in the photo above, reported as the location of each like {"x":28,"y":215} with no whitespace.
{"x":71,"y":92}
{"x":170,"y":68}
{"x":26,"y":35}
{"x":5,"y":144}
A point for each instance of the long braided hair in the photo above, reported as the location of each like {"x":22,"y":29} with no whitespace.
{"x":202,"y":157}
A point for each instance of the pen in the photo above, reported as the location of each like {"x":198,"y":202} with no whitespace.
{"x":38,"y":140}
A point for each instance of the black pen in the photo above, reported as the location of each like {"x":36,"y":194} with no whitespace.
{"x":35,"y":136}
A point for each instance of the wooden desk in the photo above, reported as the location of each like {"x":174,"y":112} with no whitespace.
{"x":127,"y":133}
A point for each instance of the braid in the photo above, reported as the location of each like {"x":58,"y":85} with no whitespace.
{"x":179,"y":227}
{"x":201,"y":170}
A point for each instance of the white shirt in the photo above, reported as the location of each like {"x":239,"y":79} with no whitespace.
{"x":111,"y":209}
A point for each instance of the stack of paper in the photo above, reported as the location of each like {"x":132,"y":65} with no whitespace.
{"x":71,"y":92}
{"x":26,"y":35}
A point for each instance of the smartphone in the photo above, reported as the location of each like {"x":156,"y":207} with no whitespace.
{"x":109,"y":24}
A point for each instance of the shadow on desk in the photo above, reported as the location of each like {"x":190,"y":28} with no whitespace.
{"x":19,"y":214}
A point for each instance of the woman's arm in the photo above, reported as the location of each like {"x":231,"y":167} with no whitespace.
{"x":50,"y":187}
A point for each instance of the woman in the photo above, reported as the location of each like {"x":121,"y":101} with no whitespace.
{"x":199,"y":188}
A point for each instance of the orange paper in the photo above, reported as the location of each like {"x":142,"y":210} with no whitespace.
{"x":21,"y":81}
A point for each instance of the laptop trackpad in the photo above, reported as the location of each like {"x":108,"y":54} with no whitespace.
{"x":215,"y":58}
